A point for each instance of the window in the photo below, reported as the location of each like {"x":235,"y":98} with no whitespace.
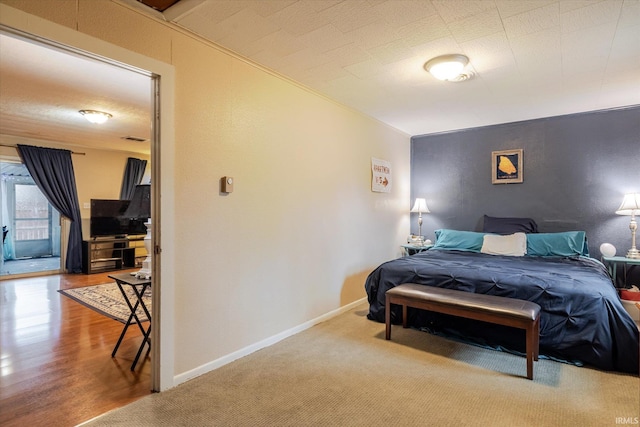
{"x":32,"y":242}
{"x":32,"y":214}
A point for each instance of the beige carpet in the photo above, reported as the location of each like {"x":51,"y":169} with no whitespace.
{"x":344,"y":373}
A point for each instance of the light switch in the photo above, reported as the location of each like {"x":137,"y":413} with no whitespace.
{"x":226,"y":184}
{"x":86,"y":205}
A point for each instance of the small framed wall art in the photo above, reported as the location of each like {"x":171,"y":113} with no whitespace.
{"x":380,"y":175}
{"x":506,"y":166}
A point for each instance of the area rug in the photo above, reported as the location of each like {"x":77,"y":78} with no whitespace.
{"x":108,"y":300}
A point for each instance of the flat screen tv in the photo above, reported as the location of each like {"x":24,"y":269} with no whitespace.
{"x":107,"y":219}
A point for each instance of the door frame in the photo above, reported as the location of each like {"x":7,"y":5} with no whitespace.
{"x":162,"y":77}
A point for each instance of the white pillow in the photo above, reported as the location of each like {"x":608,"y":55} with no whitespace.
{"x":512,"y":245}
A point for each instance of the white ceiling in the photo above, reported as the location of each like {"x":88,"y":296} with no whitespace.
{"x":531,"y":59}
{"x":42,"y":89}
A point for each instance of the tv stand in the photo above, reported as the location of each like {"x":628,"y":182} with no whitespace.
{"x":110,"y":253}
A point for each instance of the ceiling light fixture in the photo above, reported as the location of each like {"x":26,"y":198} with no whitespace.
{"x":448,"y":67}
{"x":94,"y":116}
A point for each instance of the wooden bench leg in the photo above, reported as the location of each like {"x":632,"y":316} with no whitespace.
{"x":536,"y":334}
{"x":530,"y":345}
{"x":387,"y":318}
{"x":533,"y":345}
{"x":404,"y":315}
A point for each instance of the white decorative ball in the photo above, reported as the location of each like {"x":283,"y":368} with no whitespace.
{"x":607,"y":249}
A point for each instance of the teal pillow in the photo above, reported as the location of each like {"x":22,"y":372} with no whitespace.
{"x":458,"y":240}
{"x":568,"y":243}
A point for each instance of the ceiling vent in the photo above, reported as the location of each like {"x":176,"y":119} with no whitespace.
{"x":134,"y":138}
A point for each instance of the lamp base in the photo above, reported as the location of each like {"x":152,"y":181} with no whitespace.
{"x":416,"y":240}
{"x":633,"y":253}
{"x":145,"y":271}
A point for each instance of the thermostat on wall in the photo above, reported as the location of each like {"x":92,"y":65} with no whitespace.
{"x":226,"y":184}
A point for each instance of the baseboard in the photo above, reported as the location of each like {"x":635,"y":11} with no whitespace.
{"x":215,"y":364}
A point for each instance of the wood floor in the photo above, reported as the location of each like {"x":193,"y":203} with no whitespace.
{"x":56,"y":366}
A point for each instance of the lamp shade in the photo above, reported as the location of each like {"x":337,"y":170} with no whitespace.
{"x":420,"y":206}
{"x":630,"y":204}
{"x":140,"y":205}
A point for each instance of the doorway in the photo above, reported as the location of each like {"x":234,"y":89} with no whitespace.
{"x":152,"y":93}
{"x":162,"y":77}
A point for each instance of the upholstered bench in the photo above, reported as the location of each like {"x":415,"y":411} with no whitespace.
{"x":487,"y":308}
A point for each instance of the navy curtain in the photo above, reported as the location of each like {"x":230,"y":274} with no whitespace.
{"x":52,"y":171}
{"x":133,"y":173}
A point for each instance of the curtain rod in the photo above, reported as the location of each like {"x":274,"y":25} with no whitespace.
{"x":15,"y":146}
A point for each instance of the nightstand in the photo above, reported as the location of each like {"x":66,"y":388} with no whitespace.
{"x":612,"y":265}
{"x":414,"y":249}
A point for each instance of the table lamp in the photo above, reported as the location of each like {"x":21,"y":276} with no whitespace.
{"x":631,"y":206}
{"x":140,"y":207}
{"x":420,"y":206}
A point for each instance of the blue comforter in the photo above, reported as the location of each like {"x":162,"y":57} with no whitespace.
{"x":582,"y":318}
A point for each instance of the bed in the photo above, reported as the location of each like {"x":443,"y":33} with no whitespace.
{"x":582,"y":318}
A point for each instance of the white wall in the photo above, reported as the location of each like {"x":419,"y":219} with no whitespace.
{"x":302,"y":228}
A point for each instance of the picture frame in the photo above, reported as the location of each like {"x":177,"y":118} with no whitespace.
{"x":506,"y":167}
{"x":380,"y":176}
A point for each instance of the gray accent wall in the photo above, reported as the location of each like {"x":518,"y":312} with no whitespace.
{"x":576,"y":171}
